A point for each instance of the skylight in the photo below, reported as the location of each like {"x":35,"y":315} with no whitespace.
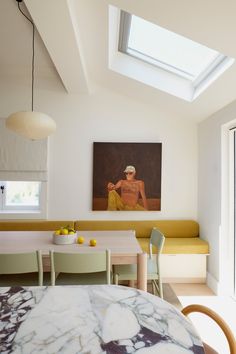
{"x":160,"y":58}
{"x":161,"y":47}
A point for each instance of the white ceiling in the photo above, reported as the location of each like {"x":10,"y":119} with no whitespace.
{"x":75,"y":33}
{"x":16,"y":44}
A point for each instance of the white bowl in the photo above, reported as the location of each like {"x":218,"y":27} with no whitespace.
{"x":64,"y":239}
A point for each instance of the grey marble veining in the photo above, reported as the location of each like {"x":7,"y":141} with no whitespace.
{"x":92,"y":319}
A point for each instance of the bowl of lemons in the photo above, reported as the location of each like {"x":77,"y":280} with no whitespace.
{"x":64,"y":236}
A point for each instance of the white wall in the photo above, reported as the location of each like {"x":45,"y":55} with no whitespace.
{"x":213,"y":201}
{"x":106,"y":116}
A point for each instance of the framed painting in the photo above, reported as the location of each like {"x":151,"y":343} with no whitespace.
{"x":127,"y":176}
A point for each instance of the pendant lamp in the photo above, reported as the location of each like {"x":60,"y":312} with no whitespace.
{"x":32,"y":125}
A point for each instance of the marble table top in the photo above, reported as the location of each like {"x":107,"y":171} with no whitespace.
{"x":91,"y":320}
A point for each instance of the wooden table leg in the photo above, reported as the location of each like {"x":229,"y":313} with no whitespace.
{"x":142,"y":271}
{"x":132,"y":283}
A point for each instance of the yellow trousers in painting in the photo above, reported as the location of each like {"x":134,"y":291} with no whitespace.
{"x":115,"y":203}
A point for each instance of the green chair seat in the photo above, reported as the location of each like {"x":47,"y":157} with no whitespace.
{"x":81,"y":278}
{"x":129,"y":271}
{"x":29,"y":279}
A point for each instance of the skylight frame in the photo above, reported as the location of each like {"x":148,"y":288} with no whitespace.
{"x":151,"y":75}
{"x":124,"y":33}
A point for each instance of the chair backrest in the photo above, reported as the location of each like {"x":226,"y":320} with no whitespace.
{"x":80,"y":263}
{"x":19,"y":263}
{"x":157,"y":239}
{"x":219,"y":320}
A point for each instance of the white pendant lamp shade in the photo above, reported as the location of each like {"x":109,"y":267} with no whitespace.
{"x":32,"y":125}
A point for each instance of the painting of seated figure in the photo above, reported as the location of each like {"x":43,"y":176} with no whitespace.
{"x":126,"y":176}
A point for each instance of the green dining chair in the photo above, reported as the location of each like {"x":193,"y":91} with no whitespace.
{"x":129,"y":272}
{"x":20,"y":269}
{"x":80,"y":268}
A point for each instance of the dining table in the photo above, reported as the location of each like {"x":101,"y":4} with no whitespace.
{"x":123,"y":245}
{"x":92,"y":319}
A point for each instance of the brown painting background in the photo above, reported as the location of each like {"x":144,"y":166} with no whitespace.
{"x":110,"y":161}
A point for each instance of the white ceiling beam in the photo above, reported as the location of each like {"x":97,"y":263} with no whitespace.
{"x":58,"y":29}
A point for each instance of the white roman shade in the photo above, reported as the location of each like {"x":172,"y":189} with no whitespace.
{"x":22,"y":159}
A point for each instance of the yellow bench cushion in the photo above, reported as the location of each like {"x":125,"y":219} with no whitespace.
{"x":193,"y":245}
{"x":34,"y":225}
{"x":143,"y":228}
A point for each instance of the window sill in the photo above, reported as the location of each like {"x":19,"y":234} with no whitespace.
{"x":22,"y":214}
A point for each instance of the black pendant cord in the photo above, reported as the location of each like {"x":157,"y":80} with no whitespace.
{"x":32,"y":86}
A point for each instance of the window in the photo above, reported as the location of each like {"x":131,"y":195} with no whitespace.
{"x":23,"y":176}
{"x":161,"y":47}
{"x":21,"y":196}
{"x":170,"y":62}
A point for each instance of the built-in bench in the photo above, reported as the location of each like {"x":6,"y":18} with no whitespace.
{"x":34,"y":225}
{"x":184,"y":254}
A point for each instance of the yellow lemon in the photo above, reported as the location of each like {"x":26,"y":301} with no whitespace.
{"x":80,"y":239}
{"x":57,"y":232}
{"x":64,"y":232}
{"x":71,"y":233}
{"x":70,"y":229}
{"x":93,"y":242}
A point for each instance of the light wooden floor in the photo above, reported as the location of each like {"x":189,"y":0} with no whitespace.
{"x":191,"y":290}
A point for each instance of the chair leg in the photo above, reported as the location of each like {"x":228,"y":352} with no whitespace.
{"x":160,"y":287}
{"x":156,"y":287}
{"x":53,"y":278}
{"x":113,"y":274}
{"x":153,"y":288}
{"x":116,"y":279}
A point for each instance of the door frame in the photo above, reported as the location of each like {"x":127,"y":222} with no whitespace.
{"x":227,"y":256}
